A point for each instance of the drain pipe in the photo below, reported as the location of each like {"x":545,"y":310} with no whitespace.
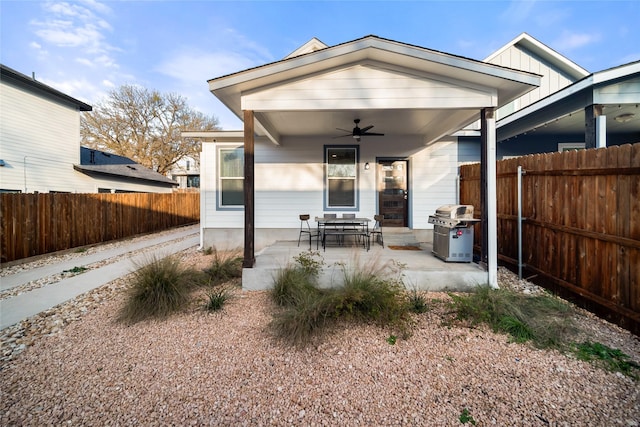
{"x":520,"y":173}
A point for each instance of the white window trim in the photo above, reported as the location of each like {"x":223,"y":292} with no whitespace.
{"x":356,"y":178}
{"x":566,"y":146}
{"x":219,"y":149}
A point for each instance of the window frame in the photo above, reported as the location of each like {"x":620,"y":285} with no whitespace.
{"x":219,"y":156}
{"x":356,"y":179}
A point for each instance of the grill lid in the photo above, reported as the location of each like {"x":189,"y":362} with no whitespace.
{"x":455,"y":211}
{"x":452,"y":216}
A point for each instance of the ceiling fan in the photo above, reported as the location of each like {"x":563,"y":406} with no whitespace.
{"x":357,"y":132}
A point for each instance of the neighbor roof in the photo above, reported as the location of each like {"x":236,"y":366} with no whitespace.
{"x":99,"y":162}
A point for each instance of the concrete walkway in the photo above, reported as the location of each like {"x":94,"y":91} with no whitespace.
{"x":25,"y":305}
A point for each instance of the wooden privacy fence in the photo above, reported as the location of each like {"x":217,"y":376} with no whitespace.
{"x":34,"y":224}
{"x":581,"y":227}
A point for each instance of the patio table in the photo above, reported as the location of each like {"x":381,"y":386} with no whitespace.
{"x":341,"y":227}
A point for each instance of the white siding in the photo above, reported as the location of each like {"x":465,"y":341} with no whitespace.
{"x":290,"y":181}
{"x":368,"y":87}
{"x":552,"y":78}
{"x":39,"y":143}
{"x":434,"y":177}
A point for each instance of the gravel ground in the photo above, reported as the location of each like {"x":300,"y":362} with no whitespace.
{"x":76,"y":365}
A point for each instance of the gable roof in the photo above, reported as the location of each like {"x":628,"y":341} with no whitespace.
{"x":395,"y":59}
{"x":31,"y":84}
{"x":103,"y":163}
{"x":311,"y":46}
{"x":540,"y":50}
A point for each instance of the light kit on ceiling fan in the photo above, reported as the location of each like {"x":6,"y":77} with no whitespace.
{"x":357,"y":133}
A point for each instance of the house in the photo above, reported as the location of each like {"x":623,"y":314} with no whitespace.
{"x":363,"y":127}
{"x":118,"y":174}
{"x":40,"y":146}
{"x":187,"y":174}
{"x":572,"y":108}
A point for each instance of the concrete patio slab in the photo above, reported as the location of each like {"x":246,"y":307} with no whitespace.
{"x":421,"y":269}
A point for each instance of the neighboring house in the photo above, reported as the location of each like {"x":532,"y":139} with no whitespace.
{"x":187,"y":174}
{"x":571,"y":109}
{"x":39,"y":137}
{"x":117,"y":174}
{"x":40,"y":146}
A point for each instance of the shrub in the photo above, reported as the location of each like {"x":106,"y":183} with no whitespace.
{"x":217,"y":297}
{"x":607,"y":357}
{"x":366,"y":294}
{"x":158,"y":288}
{"x":542,"y":319}
{"x":417,"y":302}
{"x":225,"y":266}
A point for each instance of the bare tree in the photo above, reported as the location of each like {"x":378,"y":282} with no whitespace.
{"x":145,"y":126}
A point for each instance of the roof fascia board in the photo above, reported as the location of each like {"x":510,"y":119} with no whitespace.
{"x":231,"y":134}
{"x":365,"y":47}
{"x":600,"y":78}
{"x":545,"y":102}
{"x":616,"y":73}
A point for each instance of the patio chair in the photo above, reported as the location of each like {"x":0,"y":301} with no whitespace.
{"x":305,"y":228}
{"x":331,"y":227}
{"x":377,"y":229}
{"x":350,"y":227}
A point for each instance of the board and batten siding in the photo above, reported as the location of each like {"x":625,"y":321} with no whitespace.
{"x":40,"y":143}
{"x":552,"y":80}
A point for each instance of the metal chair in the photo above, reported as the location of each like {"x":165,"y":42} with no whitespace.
{"x":350,"y":227}
{"x":305,"y":228}
{"x":377,"y":229}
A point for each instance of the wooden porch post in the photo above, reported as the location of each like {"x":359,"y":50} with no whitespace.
{"x":488,"y":195}
{"x":249,"y":214}
{"x":595,"y":134}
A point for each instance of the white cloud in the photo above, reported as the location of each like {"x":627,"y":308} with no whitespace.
{"x":569,"y":40}
{"x":72,"y":25}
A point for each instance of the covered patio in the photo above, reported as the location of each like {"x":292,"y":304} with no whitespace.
{"x":295,"y":112}
{"x":412,"y":250}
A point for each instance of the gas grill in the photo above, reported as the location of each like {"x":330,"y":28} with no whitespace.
{"x":453,"y":233}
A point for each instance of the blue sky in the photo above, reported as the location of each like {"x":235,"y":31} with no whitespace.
{"x":87,"y":48}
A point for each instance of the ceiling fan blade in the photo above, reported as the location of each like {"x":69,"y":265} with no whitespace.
{"x":341,"y":136}
{"x":363,"y":130}
{"x":345,"y":130}
{"x":372,"y":133}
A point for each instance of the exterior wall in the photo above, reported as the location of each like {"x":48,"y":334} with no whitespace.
{"x":39,"y":143}
{"x":367,"y":86}
{"x":521,"y":59}
{"x":289,"y":180}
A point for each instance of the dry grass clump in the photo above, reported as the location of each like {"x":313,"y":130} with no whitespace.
{"x":367,"y":293}
{"x":163,"y":286}
{"x":159,"y":288}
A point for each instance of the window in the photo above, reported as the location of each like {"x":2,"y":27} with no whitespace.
{"x":231,"y":177}
{"x":193,"y":181}
{"x":569,"y":146}
{"x":341,"y":177}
